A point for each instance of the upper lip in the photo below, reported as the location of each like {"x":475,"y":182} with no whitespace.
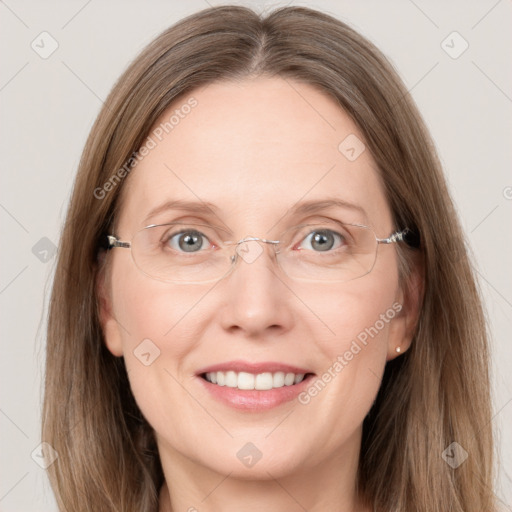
{"x":255,"y":368}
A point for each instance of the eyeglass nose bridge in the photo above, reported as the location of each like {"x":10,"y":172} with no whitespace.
{"x":251,"y":238}
{"x":248,"y":255}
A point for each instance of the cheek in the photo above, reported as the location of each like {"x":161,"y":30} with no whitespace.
{"x":155,"y":325}
{"x":354,"y":355}
{"x":150,"y":309}
{"x":362,"y":320}
{"x":360,"y":313}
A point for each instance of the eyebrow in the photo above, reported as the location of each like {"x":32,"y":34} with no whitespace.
{"x":314,"y":206}
{"x":188,"y":206}
{"x":299,"y":208}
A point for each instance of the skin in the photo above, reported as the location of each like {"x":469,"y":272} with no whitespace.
{"x":254,"y":148}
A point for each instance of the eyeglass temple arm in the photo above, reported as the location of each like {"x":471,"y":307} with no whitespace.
{"x":112,"y":242}
{"x":397,"y":236}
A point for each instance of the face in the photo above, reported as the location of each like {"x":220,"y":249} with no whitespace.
{"x":254,"y":150}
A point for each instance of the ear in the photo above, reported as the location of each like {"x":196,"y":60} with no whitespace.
{"x":410,"y":298}
{"x":109,"y":325}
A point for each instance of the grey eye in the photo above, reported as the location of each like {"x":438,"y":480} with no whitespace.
{"x":323,"y":240}
{"x":187,"y":241}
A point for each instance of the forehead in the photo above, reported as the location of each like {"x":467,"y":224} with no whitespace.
{"x":255,"y":149}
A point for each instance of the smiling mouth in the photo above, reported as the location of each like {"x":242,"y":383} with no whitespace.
{"x":250,"y":381}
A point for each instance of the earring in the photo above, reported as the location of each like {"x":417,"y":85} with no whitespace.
{"x":397,"y":349}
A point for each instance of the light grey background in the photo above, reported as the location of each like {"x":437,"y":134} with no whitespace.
{"x":48,"y":107}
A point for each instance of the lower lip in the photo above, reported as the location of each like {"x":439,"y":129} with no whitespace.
{"x":255,"y":400}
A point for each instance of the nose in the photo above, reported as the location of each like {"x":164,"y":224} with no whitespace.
{"x":258,"y":298}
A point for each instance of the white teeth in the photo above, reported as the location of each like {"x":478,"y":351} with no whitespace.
{"x":245,"y":381}
{"x":278,"y":380}
{"x":298,"y":378}
{"x":231,"y":380}
{"x":288,"y":379}
{"x":264,"y":381}
{"x":261,"y":381}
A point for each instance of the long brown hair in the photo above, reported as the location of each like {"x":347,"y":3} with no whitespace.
{"x":434,"y":394}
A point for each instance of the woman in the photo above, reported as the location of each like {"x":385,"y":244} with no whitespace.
{"x":262,"y":297}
